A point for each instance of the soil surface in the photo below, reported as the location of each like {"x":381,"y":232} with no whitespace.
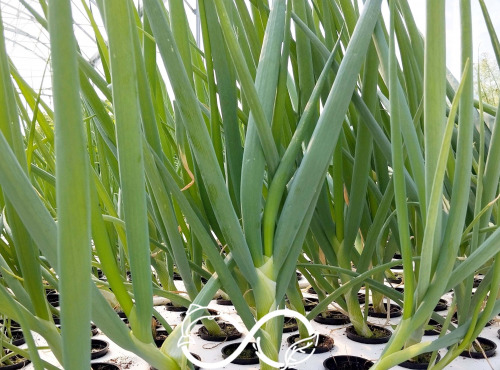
{"x":248,"y":352}
{"x":289,"y":325}
{"x":378,"y":331}
{"x":325,"y":343}
{"x":347,"y":363}
{"x":395,"y":311}
{"x":228,"y":330}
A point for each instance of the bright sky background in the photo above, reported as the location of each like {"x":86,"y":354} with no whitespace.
{"x":27,"y":43}
{"x":480,"y":33}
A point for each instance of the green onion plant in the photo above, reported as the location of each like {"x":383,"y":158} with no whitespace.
{"x":315,"y":135}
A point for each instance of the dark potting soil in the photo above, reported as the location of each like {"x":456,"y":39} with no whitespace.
{"x":11,"y":323}
{"x":228,"y":330}
{"x":290,"y":325}
{"x":476,"y":350}
{"x":247,"y":357}
{"x":17,"y":337}
{"x":454,"y":320}
{"x":347,"y":363}
{"x":434,"y":328}
{"x":159,"y":337}
{"x":361,"y":297}
{"x":419,"y":362}
{"x":18,"y":362}
{"x":53,"y":299}
{"x":103,"y":366}
{"x":121,"y":314}
{"x":332,"y":317}
{"x":223,"y":302}
{"x":442,"y":305}
{"x":310,"y":303}
{"x":99,"y":348}
{"x":325,"y":344}
{"x":380,"y":335}
{"x":477,"y":281}
{"x":395,"y":280}
{"x":93,"y":330}
{"x":395,"y":311}
{"x":173,"y":308}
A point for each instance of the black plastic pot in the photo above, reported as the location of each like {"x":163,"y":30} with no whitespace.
{"x":310,"y":303}
{"x":100,"y":275}
{"x":172,"y":308}
{"x":53,"y":299}
{"x":14,"y":325}
{"x":332,"y":317}
{"x":198,"y":358}
{"x":57,"y":319}
{"x":436,"y":328}
{"x":325,"y":344}
{"x":223,"y":301}
{"x":121,"y":314}
{"x":103,"y":366}
{"x":489,"y":347}
{"x":477,"y":281}
{"x":290,"y":325}
{"x":454,"y":320}
{"x":231,"y":333}
{"x":441,"y":306}
{"x":156,"y":324}
{"x":382,"y":335}
{"x":22,"y":363}
{"x":93,"y":329}
{"x":311,"y":290}
{"x":395,"y":311}
{"x":418,"y":365}
{"x":99,"y":348}
{"x":247,"y":357}
{"x":17,"y":337}
{"x":160,"y":337}
{"x":211,"y":311}
{"x":397,"y":267}
{"x":361,"y":297}
{"x":347,"y":363}
{"x":396,"y":280}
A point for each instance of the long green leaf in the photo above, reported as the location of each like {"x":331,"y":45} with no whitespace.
{"x":320,"y":149}
{"x":130,"y":160}
{"x":199,"y":137}
{"x":72,"y":191}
